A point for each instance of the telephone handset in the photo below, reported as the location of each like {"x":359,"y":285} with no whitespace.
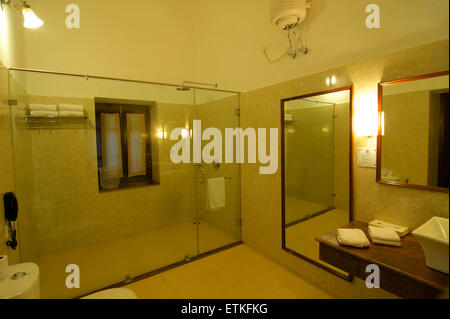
{"x":11,"y":207}
{"x":11,"y":211}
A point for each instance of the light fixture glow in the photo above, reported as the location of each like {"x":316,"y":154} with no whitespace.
{"x":328,"y":81}
{"x":161,"y":135}
{"x":382,"y":123}
{"x":30,"y":19}
{"x":333,"y":79}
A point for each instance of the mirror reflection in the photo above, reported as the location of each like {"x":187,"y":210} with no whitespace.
{"x":415,"y":133}
{"x":316,"y":146}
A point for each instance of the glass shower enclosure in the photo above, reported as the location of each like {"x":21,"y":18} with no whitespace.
{"x":316,"y":173}
{"x":309,"y":159}
{"x":114,"y":236}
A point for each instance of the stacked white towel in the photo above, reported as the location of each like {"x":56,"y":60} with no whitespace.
{"x":43,"y":110}
{"x":384,"y":236}
{"x":352,"y":237}
{"x":70,"y":110}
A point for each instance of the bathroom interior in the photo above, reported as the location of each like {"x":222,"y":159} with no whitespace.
{"x":95,"y":98}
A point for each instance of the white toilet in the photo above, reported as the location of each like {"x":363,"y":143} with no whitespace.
{"x":22,"y":282}
{"x":113,"y":293}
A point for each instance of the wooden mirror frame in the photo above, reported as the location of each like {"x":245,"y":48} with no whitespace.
{"x":347,"y":277}
{"x":379,"y":137}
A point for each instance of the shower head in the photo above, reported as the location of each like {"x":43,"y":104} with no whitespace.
{"x":184,"y":88}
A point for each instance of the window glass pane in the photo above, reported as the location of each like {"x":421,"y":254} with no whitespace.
{"x":136,"y":136}
{"x":111,"y":148}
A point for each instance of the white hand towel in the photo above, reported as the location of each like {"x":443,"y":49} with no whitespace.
{"x":71,"y":114}
{"x":352,"y":237}
{"x":70,"y":107}
{"x":215,"y":193}
{"x":43,"y":113}
{"x":43,"y":107}
{"x":384,"y":236}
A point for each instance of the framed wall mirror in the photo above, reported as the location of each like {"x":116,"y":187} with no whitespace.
{"x":413,"y":133}
{"x":316,"y":166}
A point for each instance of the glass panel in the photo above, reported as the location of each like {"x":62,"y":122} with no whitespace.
{"x":111,"y":148}
{"x":218,"y":225}
{"x":316,"y":169}
{"x":136,"y":144}
{"x":6,"y":163}
{"x":63,"y":217}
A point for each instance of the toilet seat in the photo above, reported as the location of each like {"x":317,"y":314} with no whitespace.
{"x":113,"y":293}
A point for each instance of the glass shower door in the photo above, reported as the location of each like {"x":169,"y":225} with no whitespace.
{"x":218,"y":220}
{"x":6,"y":162}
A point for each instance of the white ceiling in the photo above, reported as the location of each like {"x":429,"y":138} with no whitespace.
{"x":221,"y":41}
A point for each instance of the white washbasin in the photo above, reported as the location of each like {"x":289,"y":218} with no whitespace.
{"x":433,"y":237}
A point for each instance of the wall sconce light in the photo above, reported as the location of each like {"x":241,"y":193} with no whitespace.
{"x":161,"y":134}
{"x":30,"y":19}
{"x":382,"y":123}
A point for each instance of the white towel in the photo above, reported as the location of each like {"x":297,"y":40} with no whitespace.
{"x":70,"y":107}
{"x":43,"y":113}
{"x":352,"y":237}
{"x":43,"y":107}
{"x":384,"y":236}
{"x":215,"y":193}
{"x":71,"y":114}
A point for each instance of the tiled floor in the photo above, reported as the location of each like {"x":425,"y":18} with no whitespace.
{"x":108,"y":263}
{"x":240,"y":272}
{"x":301,"y":237}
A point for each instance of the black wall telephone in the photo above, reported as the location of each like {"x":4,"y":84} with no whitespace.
{"x":11,"y":211}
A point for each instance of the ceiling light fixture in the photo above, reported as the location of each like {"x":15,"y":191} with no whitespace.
{"x":30,"y":19}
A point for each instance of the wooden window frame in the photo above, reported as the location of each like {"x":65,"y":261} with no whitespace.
{"x":123,"y":109}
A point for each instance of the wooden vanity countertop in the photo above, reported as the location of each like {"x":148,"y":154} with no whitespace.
{"x":403,"y":270}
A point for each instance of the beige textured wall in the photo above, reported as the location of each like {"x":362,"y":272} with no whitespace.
{"x":261,"y":194}
{"x":12,"y":47}
{"x":405,"y":141}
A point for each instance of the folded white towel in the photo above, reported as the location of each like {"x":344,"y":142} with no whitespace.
{"x":352,"y":237}
{"x":215,"y":193}
{"x":43,"y":107}
{"x":71,"y":114}
{"x":70,"y":107}
{"x":386,"y":242}
{"x":384,"y":236}
{"x":43,"y":113}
